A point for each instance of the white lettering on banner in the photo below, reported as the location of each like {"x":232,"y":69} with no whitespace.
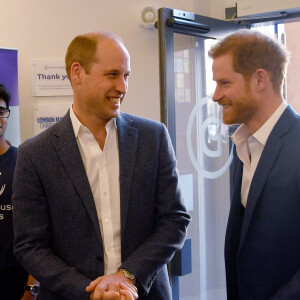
{"x":6,"y":207}
{"x":1,"y":217}
{"x":2,"y":189}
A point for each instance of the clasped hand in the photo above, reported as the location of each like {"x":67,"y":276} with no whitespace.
{"x":112,"y":287}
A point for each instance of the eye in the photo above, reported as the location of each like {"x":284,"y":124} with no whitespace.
{"x":225,"y":82}
{"x":112,"y":74}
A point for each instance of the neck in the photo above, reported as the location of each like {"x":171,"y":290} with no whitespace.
{"x":4,"y":146}
{"x":95,"y":125}
{"x":89,"y":119}
{"x":270,"y":105}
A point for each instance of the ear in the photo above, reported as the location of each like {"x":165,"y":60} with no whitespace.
{"x":75,"y":72}
{"x":261,"y":79}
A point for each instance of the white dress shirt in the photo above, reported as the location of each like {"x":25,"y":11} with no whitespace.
{"x":249,"y":148}
{"x":102,"y":169}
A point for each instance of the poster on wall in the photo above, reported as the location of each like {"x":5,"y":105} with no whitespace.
{"x":47,"y":115}
{"x":49,"y":78}
{"x":9,"y":77}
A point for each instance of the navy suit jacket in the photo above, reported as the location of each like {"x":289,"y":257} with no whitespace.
{"x":57,"y":234}
{"x":262,"y":245}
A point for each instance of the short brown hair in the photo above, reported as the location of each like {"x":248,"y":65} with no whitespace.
{"x":82,"y":49}
{"x":252,"y":50}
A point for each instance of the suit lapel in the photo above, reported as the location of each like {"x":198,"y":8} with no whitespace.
{"x":67,"y":149}
{"x":127,"y":140}
{"x":266,"y":162}
{"x":235,"y":219}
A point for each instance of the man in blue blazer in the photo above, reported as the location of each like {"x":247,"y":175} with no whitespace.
{"x":98,"y":208}
{"x":262,"y":245}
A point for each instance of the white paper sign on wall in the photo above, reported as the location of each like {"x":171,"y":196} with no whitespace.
{"x":44,"y":116}
{"x":49,"y":78}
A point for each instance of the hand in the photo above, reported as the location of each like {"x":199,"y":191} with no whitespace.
{"x":28,"y":296}
{"x":108,"y":288}
{"x":128,"y":291}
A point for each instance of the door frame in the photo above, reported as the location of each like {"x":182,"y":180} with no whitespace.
{"x":172,"y":21}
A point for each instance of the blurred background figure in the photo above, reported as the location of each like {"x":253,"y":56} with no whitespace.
{"x":13,"y":277}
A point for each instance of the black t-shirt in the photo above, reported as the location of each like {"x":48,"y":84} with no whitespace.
{"x":12,"y":274}
{"x":7,"y":168}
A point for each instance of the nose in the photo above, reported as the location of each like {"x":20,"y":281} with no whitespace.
{"x":121,"y":85}
{"x":217,"y":94}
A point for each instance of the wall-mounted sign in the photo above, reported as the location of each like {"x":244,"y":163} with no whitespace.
{"x":49,"y":78}
{"x":44,"y":116}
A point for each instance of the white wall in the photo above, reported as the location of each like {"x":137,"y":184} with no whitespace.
{"x":252,"y":7}
{"x":217,"y":8}
{"x":42,"y":29}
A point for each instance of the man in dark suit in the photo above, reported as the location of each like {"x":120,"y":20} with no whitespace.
{"x":262,"y":245}
{"x":97,"y":204}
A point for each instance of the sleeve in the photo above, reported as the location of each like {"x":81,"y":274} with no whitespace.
{"x":171,"y":221}
{"x":32,"y":226}
{"x":291,"y":290}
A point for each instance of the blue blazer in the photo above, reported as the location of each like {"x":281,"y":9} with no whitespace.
{"x":262,"y":245}
{"x":57,"y":234}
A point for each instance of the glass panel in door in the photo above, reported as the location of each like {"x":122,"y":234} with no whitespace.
{"x":204,"y":155}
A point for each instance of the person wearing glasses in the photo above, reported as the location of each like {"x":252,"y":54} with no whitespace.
{"x":13,"y":277}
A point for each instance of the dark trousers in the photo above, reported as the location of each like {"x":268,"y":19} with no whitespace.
{"x":12,"y":282}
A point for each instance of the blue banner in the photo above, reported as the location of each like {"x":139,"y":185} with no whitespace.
{"x":9,"y":77}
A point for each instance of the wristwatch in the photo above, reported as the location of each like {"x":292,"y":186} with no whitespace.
{"x":129,"y":275}
{"x":33,"y":289}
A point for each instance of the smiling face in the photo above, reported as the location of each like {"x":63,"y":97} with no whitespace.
{"x":101,"y":91}
{"x":233,"y":93}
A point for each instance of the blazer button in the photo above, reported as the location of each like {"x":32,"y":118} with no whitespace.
{"x":99,"y":258}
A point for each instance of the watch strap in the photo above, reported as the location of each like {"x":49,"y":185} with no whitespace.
{"x":33,"y":289}
{"x":129,"y":275}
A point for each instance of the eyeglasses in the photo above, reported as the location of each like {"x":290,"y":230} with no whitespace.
{"x":4,"y":113}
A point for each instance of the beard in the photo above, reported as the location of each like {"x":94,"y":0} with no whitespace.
{"x":240,"y":111}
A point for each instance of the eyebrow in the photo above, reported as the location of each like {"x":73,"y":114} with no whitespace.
{"x":222,"y":79}
{"x":117,"y":71}
{"x":2,"y":107}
